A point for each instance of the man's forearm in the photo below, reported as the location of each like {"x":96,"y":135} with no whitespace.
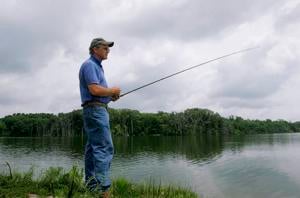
{"x":97,"y":90}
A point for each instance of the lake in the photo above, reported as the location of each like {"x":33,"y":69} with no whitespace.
{"x":211,"y":165}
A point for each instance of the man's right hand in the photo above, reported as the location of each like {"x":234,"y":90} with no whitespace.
{"x":115,"y":91}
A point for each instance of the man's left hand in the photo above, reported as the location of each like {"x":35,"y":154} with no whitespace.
{"x":115,"y":97}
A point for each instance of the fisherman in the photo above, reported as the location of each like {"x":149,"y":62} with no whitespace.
{"x":95,"y":95}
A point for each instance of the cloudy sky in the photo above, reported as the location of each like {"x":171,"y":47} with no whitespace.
{"x":44,"y":42}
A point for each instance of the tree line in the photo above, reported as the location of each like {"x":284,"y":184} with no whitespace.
{"x":126,"y":122}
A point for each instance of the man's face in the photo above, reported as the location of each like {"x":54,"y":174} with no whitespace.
{"x":101,"y":51}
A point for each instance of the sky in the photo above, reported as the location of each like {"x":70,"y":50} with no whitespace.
{"x":44,"y":42}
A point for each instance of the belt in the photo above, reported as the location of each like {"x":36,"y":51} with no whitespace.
{"x":93,"y":104}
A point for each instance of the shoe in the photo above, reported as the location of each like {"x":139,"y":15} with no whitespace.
{"x":105,"y":194}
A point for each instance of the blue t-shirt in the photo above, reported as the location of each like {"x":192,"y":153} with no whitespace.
{"x":91,"y":72}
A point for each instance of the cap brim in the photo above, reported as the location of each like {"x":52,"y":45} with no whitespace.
{"x":109,"y":44}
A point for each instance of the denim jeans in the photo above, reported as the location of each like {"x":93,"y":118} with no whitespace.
{"x":99,"y":148}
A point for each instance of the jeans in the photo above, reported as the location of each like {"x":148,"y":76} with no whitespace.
{"x":99,"y":148}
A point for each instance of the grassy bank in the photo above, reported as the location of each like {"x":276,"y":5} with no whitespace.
{"x":57,"y":182}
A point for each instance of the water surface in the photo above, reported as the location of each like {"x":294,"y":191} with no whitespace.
{"x":213,"y":166}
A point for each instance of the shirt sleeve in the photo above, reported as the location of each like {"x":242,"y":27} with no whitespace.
{"x":90,"y":74}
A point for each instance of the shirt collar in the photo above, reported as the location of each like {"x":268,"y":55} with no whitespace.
{"x":98,"y":61}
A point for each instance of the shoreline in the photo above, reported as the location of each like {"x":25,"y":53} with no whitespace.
{"x":57,"y":182}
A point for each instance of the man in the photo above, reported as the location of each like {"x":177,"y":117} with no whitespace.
{"x":95,"y":95}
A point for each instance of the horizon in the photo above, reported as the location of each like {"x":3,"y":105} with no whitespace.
{"x":226,"y":117}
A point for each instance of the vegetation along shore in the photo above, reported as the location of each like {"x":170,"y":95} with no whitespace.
{"x":56,"y":182}
{"x":126,"y":122}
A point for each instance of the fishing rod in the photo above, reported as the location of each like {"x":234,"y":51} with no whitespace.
{"x":189,"y":68}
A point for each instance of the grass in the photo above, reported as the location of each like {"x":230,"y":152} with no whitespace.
{"x":60,"y":183}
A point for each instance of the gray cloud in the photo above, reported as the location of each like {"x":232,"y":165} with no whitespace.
{"x":188,"y":20}
{"x":254,"y":80}
{"x":288,"y":17}
{"x":8,"y":100}
{"x":44,"y":42}
{"x":240,"y":103}
{"x":33,"y":33}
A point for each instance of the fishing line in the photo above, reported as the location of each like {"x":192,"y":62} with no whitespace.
{"x":189,"y":68}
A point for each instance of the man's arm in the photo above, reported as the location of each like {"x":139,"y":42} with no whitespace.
{"x":97,"y":90}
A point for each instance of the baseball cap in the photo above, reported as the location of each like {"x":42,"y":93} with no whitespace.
{"x":100,"y":41}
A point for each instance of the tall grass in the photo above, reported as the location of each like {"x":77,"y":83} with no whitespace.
{"x":123,"y":188}
{"x":57,"y":182}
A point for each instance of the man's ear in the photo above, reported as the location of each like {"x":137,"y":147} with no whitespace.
{"x":93,"y":50}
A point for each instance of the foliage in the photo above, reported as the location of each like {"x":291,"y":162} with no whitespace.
{"x":126,"y":122}
{"x":122,"y":188}
{"x":59,"y":183}
{"x":238,"y":125}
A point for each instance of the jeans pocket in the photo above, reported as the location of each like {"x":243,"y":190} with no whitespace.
{"x":100,"y":115}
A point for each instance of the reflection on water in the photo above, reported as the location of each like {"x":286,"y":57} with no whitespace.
{"x":212,"y":165}
{"x":199,"y":148}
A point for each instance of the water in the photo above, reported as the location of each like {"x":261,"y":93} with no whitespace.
{"x":213,"y":166}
